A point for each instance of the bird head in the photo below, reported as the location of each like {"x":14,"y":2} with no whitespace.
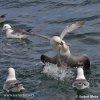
{"x":11,"y":74}
{"x":6,"y":27}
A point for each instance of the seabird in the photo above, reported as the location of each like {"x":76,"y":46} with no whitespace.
{"x":12,"y":84}
{"x":14,"y":33}
{"x":56,"y":41}
{"x":2,"y":18}
{"x":80,"y":82}
{"x":64,"y":55}
{"x":68,"y":59}
{"x":19,"y":33}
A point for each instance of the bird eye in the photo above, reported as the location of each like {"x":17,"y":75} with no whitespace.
{"x":61,"y":43}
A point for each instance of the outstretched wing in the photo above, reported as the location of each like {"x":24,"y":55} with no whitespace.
{"x":41,"y":36}
{"x":46,"y":59}
{"x":70,"y":28}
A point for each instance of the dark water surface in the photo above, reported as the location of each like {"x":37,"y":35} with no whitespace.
{"x":49,"y":17}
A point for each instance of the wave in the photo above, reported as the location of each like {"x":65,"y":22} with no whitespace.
{"x":58,"y":73}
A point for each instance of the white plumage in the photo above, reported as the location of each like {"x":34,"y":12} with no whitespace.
{"x":13,"y":33}
{"x":80,"y":83}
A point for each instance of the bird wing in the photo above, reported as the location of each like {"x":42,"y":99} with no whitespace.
{"x":70,"y":28}
{"x":41,"y":36}
{"x":46,"y":59}
{"x":11,"y":84}
{"x":21,"y":31}
{"x":29,"y":32}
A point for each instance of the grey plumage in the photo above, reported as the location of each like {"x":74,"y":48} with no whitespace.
{"x":13,"y":86}
{"x":72,"y":61}
{"x":72,"y":27}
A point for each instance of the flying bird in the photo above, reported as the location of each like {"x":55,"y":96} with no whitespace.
{"x":64,"y":55}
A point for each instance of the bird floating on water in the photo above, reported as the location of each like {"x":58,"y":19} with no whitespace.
{"x":12,"y":84}
{"x":80,"y":82}
{"x":15,"y":33}
{"x":19,"y":33}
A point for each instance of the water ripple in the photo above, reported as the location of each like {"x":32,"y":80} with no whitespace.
{"x":48,"y":17}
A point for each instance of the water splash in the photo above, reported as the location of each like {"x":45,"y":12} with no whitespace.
{"x":59,"y":73}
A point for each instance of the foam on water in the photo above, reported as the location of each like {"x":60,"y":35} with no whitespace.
{"x":59,"y":73}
